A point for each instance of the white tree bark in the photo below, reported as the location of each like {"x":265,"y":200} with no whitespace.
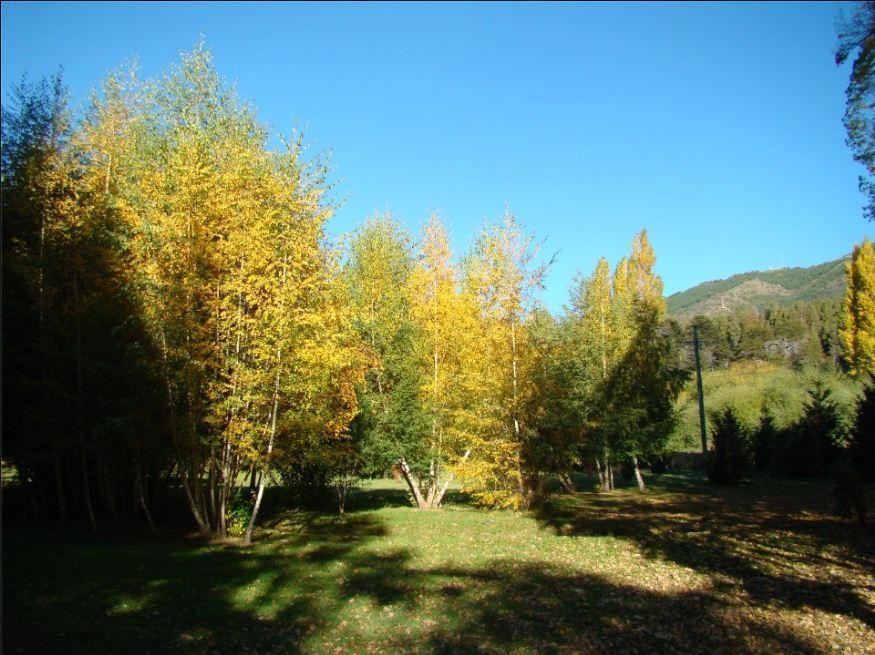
{"x":411,"y":482}
{"x":638,"y":477}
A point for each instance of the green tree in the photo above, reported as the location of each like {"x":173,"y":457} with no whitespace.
{"x":857,"y":37}
{"x":816,"y":439}
{"x":730,"y":459}
{"x":765,"y":439}
{"x":392,"y":422}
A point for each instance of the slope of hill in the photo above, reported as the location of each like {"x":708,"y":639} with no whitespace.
{"x":757,"y":289}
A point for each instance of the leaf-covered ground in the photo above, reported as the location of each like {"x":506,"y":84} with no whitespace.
{"x":683,"y":568}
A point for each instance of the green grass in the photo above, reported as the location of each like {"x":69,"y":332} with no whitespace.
{"x":684,"y":567}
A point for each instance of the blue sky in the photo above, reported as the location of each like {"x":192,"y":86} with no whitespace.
{"x":718,"y":127}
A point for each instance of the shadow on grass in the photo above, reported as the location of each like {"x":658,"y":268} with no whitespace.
{"x":66,"y":593}
{"x":537,"y":609}
{"x":318,"y":583}
{"x":776,"y":544}
{"x":184,"y":599}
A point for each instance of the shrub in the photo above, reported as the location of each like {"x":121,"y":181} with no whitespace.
{"x":239,"y":511}
{"x":730,"y":459}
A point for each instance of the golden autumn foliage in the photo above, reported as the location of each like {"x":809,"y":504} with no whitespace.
{"x":858,"y":332}
{"x":502,"y":276}
{"x":225,"y":248}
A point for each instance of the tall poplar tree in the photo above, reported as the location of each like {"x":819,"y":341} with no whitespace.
{"x":442,"y":318}
{"x":858,"y":331}
{"x":502,"y":275}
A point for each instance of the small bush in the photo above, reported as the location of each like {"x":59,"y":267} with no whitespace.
{"x":730,"y":459}
{"x":239,"y":511}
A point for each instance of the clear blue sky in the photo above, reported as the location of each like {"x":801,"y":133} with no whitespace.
{"x":718,"y":127}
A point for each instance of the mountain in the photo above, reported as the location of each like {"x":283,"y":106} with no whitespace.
{"x":758,"y":289}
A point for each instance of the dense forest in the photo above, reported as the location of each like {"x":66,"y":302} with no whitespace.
{"x":180,"y":330}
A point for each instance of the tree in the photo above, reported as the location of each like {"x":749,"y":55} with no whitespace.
{"x":857,"y":35}
{"x":651,"y":374}
{"x":858,"y":331}
{"x":765,"y":439}
{"x":862,"y":442}
{"x":730,"y":458}
{"x":442,"y":317}
{"x":392,"y":423}
{"x":553,"y":407}
{"x":816,"y":439}
{"x":172,"y":280}
{"x":628,"y":368}
{"x":501,"y":274}
{"x":82,"y":414}
{"x":591,"y":349}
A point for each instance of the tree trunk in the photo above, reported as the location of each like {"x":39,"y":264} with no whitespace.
{"x":432,"y":484}
{"x":598,"y":468}
{"x":609,"y":474}
{"x":411,"y":482}
{"x":341,"y":499}
{"x":638,"y":477}
{"x":202,"y":525}
{"x":80,"y":430}
{"x":276,"y":394}
{"x":212,"y":506}
{"x":142,"y":497}
{"x":565,"y":481}
{"x":228,"y":477}
{"x":440,"y":497}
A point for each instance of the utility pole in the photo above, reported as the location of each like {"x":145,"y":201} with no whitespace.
{"x":699,"y":389}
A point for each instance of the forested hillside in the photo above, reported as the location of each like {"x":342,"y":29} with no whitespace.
{"x":759,"y":289}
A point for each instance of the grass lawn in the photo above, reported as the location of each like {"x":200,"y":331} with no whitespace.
{"x":683,"y":568}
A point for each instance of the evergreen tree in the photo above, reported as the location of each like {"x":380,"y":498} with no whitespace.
{"x":816,"y":439}
{"x":730,"y":459}
{"x":765,"y":440}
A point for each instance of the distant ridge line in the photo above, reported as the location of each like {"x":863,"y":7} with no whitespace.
{"x":759,"y":289}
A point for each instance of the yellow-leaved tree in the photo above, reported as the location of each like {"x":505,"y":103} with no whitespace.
{"x":224,"y":248}
{"x":443,"y":319}
{"x":502,"y":276}
{"x":858,"y":330}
